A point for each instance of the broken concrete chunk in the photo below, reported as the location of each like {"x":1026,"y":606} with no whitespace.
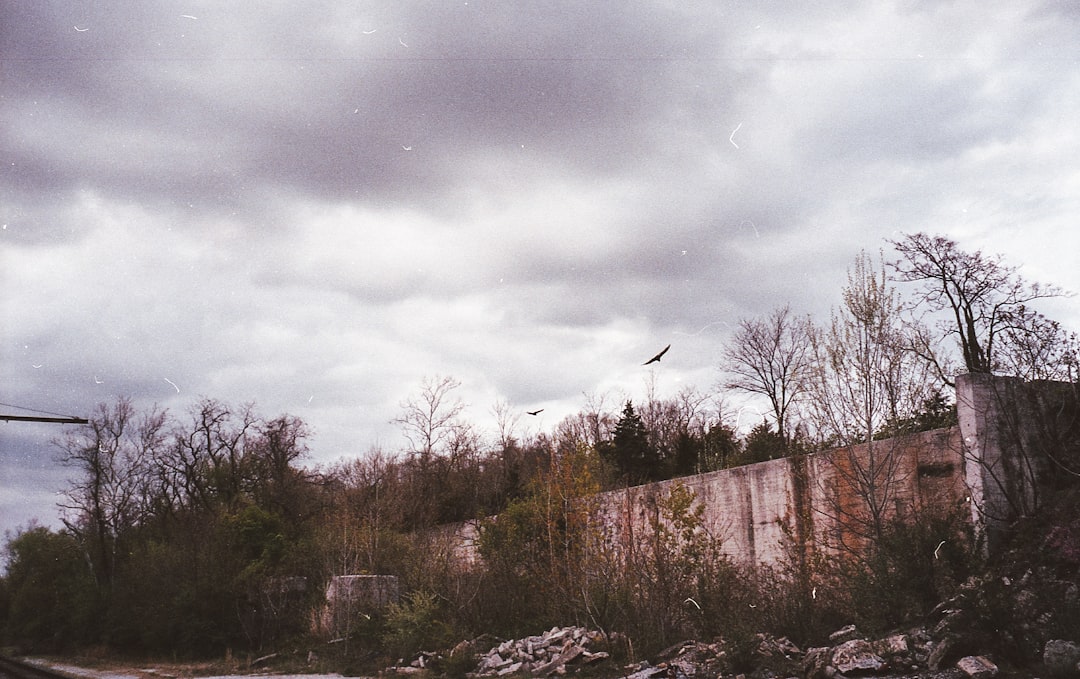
{"x":844,"y":634}
{"x":939,"y":652}
{"x":855,"y":657}
{"x":815,"y":661}
{"x":977,"y":667}
{"x":646,"y":673}
{"x":559,"y":662}
{"x":543,"y":655}
{"x":896,"y":644}
{"x":492,"y":661}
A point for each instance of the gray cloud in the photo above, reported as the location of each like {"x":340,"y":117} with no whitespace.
{"x":313,"y":210}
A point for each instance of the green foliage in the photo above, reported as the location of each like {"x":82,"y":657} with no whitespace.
{"x":537,"y":551}
{"x":720,"y":448}
{"x":633,"y":455}
{"x":936,"y":413}
{"x":913,"y":566}
{"x":762,"y":443}
{"x":52,"y":597}
{"x":416,"y":624}
{"x":179,"y":534}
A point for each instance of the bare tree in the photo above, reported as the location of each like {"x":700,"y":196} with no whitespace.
{"x":269,"y":464}
{"x":591,"y":427}
{"x":771,"y":357}
{"x":506,"y":419}
{"x":430,"y":421}
{"x":864,"y":381}
{"x":112,"y":494}
{"x":1038,"y":348}
{"x":204,"y":466}
{"x":985,"y":300}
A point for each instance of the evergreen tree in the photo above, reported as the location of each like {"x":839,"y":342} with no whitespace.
{"x":762,"y":443}
{"x":634,"y":457}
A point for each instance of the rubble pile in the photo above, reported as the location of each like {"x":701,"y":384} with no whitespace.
{"x":560,"y":650}
{"x":902,"y":653}
{"x":916,"y":652}
{"x":772,"y":657}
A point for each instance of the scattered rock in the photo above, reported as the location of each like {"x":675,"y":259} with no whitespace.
{"x":894,"y":645}
{"x":1062,"y":658}
{"x":844,"y":634}
{"x":782,"y":647}
{"x":560,"y":650}
{"x":646,"y":672}
{"x":856,"y":657}
{"x":939,"y":654}
{"x":977,"y":667}
{"x":816,"y":661}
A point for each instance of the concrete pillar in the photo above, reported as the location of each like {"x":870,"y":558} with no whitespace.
{"x":975,"y":411}
{"x":1002,"y":461}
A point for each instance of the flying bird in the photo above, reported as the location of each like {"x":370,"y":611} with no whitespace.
{"x":534,"y":412}
{"x":656,"y":358}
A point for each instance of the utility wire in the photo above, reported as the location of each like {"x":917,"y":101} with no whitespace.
{"x":57,"y":417}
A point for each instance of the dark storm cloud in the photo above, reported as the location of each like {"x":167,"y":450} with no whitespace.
{"x":314,"y":207}
{"x":206,"y":110}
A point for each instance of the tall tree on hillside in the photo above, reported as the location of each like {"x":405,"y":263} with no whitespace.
{"x":771,"y":357}
{"x":591,"y":427}
{"x":1038,"y":348}
{"x":720,"y":448}
{"x":761,"y":444}
{"x":985,"y":300}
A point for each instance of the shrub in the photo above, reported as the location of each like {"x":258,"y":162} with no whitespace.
{"x":414,"y":624}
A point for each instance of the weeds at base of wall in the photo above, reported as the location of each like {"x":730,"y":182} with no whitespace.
{"x":909,"y":569}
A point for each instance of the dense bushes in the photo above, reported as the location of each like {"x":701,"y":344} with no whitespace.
{"x":223,"y":542}
{"x":51,"y":600}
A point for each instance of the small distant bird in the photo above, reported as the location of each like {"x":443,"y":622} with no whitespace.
{"x":656,"y":358}
{"x":534,"y":412}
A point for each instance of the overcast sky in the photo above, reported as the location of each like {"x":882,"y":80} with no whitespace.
{"x":314,"y":207}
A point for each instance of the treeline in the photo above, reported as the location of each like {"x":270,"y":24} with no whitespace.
{"x":206,"y":532}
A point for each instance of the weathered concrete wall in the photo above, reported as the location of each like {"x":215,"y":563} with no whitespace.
{"x":758,"y":510}
{"x":1012,"y":431}
{"x":985,"y":463}
{"x":350,"y":595}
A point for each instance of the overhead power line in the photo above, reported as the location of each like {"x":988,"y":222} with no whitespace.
{"x":43,"y":416}
{"x":38,"y":418}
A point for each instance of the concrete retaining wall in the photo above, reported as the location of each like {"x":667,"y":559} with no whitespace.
{"x":983,"y":466}
{"x":758,"y":510}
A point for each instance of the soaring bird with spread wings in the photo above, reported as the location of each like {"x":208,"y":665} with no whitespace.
{"x":534,"y":412}
{"x":656,"y":358}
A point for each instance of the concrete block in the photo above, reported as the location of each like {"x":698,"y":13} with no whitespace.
{"x":977,"y":667}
